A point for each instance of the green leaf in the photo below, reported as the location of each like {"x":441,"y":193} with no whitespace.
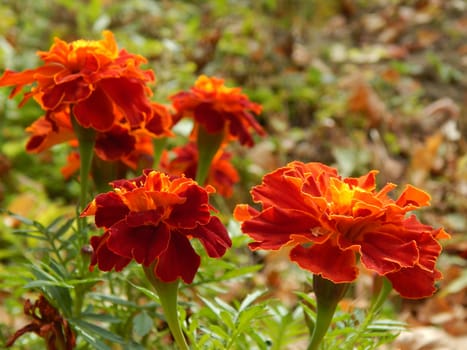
{"x":58,"y":294}
{"x":242,"y":271}
{"x":149,"y":293}
{"x":29,"y":234}
{"x":227,"y":318}
{"x":100,"y":317}
{"x":89,"y":338}
{"x":91,"y":328}
{"x":62,"y":229}
{"x":44,"y":283}
{"x":142,"y":324}
{"x":75,"y":282}
{"x":212,"y":307}
{"x":250,"y":298}
{"x":112,"y":299}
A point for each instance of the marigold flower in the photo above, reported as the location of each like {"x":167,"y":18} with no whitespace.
{"x":329,"y":221}
{"x":152,"y":219}
{"x":91,"y":78}
{"x":219,"y":109}
{"x":222,"y":175}
{"x":47,"y":323}
{"x":132,"y":147}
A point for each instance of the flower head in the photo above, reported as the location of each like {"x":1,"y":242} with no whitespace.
{"x":151,"y":219}
{"x":329,"y":221}
{"x":222,"y":175}
{"x":48,"y":324}
{"x":90,"y":78}
{"x":133,"y":147}
{"x":219,"y":109}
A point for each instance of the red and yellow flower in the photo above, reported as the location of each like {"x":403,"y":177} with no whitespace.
{"x":90,"y":78}
{"x":151,"y":219}
{"x":219,"y":109}
{"x":330,"y":221}
{"x":222,"y":175}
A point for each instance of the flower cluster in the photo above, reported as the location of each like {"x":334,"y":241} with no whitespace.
{"x":329,"y":221}
{"x":97,"y":86}
{"x":151,"y":219}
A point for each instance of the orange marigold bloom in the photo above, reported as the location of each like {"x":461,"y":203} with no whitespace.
{"x":219,"y":109}
{"x":329,"y":221}
{"x":94,"y":78}
{"x":151,"y":219}
{"x":222,"y":175}
{"x":47,"y":323}
{"x":132,"y":147}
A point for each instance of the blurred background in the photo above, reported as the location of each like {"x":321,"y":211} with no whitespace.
{"x":355,"y":84}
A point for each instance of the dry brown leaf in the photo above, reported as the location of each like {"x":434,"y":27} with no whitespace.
{"x":365,"y":100}
{"x":424,"y":158}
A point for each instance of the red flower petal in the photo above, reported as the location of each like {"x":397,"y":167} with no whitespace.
{"x":114,"y":144}
{"x":145,"y":218}
{"x":273,"y":188}
{"x":96,"y":112}
{"x":179,"y":260}
{"x":383,"y":253}
{"x":142,"y":243}
{"x":211,"y":119}
{"x":103,"y":257}
{"x":273,"y":227}
{"x":326,"y":260}
{"x":110,"y":209}
{"x":193,"y":211}
{"x":213,"y":236}
{"x":129,"y":96}
{"x":414,"y":282}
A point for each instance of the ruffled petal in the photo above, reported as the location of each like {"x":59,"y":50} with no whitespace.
{"x":383,"y":252}
{"x":96,"y":112}
{"x":193,"y":211}
{"x":109,"y":209}
{"x":272,"y":228}
{"x":114,"y":144}
{"x":179,"y":260}
{"x":129,"y":96}
{"x":214,"y":237}
{"x":414,"y":282}
{"x":143,"y":243}
{"x":413,"y":197}
{"x":327,"y":260}
{"x":103,"y":257}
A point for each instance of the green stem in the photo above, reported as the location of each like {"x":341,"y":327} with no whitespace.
{"x":158,"y":146}
{"x":208,"y":145}
{"x":168,"y":293}
{"x":86,"y":138}
{"x":381,"y":293}
{"x":328,"y":295}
